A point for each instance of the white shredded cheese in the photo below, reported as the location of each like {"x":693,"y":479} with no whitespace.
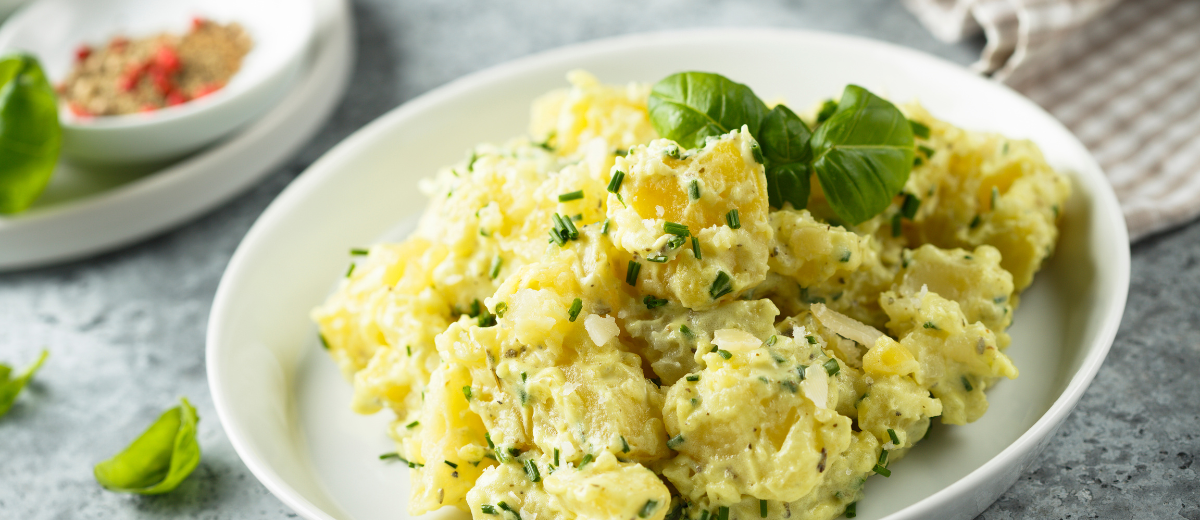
{"x":846,"y":326}
{"x":735,"y":340}
{"x":601,"y":328}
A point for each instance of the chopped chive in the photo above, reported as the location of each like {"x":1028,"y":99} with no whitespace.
{"x":586,"y":459}
{"x":467,"y":392}
{"x":715,"y":348}
{"x":487,"y":509}
{"x":631,"y":274}
{"x":658,"y":259}
{"x":975,"y":222}
{"x":675,"y":442}
{"x":474,"y":308}
{"x":676,"y":229}
{"x":917,"y":161}
{"x":501,"y":308}
{"x":672,"y":152}
{"x":910,"y":206}
{"x":496,"y":263}
{"x":614,"y":185}
{"x":604,"y":228}
{"x":531,"y":471}
{"x":811,"y":340}
{"x":995,"y":197}
{"x":515,"y":452}
{"x":696,"y":247}
{"x":725,"y":354}
{"x":762,"y":508}
{"x":654,"y":303}
{"x":926,"y":150}
{"x":694,"y":189}
{"x":568,"y":197}
{"x":851,"y":510}
{"x":772,"y":340}
{"x":358,"y":252}
{"x":687,"y":332}
{"x":967,"y":384}
{"x":451,"y":464}
{"x":931,"y":325}
{"x":999,"y":299}
{"x":624,"y":445}
{"x":693,"y":377}
{"x":756,"y":151}
{"x":413,"y":424}
{"x":573,"y":312}
{"x":845,"y":256}
{"x":721,"y":286}
{"x":555,"y":456}
{"x":393,"y":455}
{"x":648,"y":508}
{"x":704,"y":515}
{"x":832,"y":367}
{"x":896,"y":228}
{"x":800,"y":370}
{"x":895,"y":438}
{"x":732,"y":219}
{"x":488,"y":436}
{"x":675,"y":242}
{"x":919,"y":130}
{"x":325,"y":342}
{"x":486,"y":320}
{"x":524,"y":376}
{"x":723,"y":513}
{"x":1004,"y":149}
{"x":350,"y":271}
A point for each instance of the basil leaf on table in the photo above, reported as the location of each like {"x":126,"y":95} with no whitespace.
{"x":30,"y":136}
{"x":686,"y":107}
{"x":785,"y":143}
{"x":158,"y":460}
{"x":863,"y":155}
{"x":10,"y":387}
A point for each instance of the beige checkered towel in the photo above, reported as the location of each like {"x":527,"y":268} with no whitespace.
{"x":1124,"y":77}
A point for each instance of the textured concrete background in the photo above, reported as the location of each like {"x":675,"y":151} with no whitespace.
{"x":126,"y":329}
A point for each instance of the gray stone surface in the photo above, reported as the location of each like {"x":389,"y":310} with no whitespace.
{"x":126,"y":329}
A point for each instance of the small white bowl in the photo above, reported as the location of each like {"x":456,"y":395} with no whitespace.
{"x":285,"y":406}
{"x":53,"y":29}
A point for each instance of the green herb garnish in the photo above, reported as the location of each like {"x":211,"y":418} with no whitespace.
{"x":586,"y":459}
{"x":832,"y":367}
{"x":732,"y":219}
{"x":648,"y":508}
{"x":654,"y":303}
{"x":10,"y":386}
{"x":573,"y":312}
{"x":693,"y":377}
{"x":762,"y":508}
{"x":658,"y":259}
{"x":910,"y":206}
{"x":624,"y":445}
{"x":675,"y":442}
{"x":466,"y":390}
{"x":570,"y":196}
{"x":495,"y":269}
{"x":158,"y":460}
{"x":919,"y":129}
{"x":967,"y":384}
{"x":30,"y":135}
{"x":721,"y":285}
{"x":614,"y":184}
{"x":531,"y":471}
{"x":631,"y":273}
{"x":694,"y":190}
{"x":678,"y":230}
{"x":487,"y":509}
{"x":895,"y":438}
{"x":696,"y":247}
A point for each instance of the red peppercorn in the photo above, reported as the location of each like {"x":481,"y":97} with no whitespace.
{"x":167,"y":59}
{"x":82,"y":52}
{"x":175,"y":97}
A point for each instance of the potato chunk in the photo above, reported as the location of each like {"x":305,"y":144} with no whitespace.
{"x":658,"y":187}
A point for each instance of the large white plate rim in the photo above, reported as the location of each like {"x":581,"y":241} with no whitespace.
{"x":1033,"y":439}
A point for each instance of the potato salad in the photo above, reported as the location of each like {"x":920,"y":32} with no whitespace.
{"x":596,"y":321}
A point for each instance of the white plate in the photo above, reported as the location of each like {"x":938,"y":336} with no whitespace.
{"x":84,"y":212}
{"x":284,"y":405}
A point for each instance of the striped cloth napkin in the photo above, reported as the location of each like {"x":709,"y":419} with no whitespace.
{"x":1123,"y":76}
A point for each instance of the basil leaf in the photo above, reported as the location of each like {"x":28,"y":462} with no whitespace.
{"x":159,"y":459}
{"x":30,"y":136}
{"x":9,"y":388}
{"x":785,"y":143}
{"x":686,"y":107}
{"x":863,"y":155}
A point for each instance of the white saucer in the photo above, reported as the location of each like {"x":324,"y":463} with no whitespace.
{"x":85,"y":212}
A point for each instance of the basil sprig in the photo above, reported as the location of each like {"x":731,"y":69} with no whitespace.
{"x":158,"y":460}
{"x":30,"y":136}
{"x":862,"y":154}
{"x":11,"y":386}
